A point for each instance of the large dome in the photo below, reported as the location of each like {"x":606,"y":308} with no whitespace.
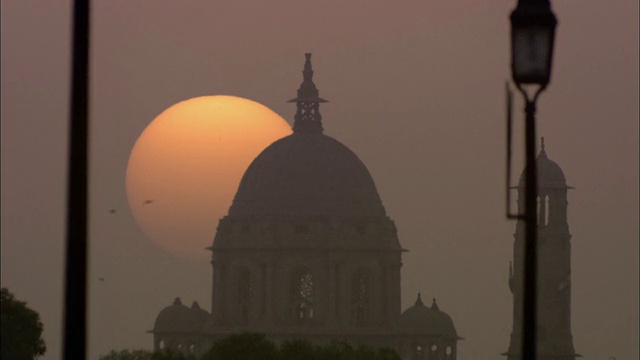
{"x":307,"y":173}
{"x":307,"y":185}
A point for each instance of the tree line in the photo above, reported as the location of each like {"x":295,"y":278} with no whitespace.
{"x":22,"y":340}
{"x":250,"y":346}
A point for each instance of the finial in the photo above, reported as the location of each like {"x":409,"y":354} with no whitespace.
{"x":177,"y":301}
{"x":419,"y":301}
{"x":195,"y":305}
{"x":434,"y":305}
{"x":543,"y":154}
{"x":308,"y":118}
{"x":307,"y":73}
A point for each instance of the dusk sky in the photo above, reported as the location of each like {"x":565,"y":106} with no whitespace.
{"x":416,"y":90}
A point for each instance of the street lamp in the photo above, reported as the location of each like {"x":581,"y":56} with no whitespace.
{"x":533,"y":27}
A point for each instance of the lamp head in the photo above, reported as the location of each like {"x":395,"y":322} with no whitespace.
{"x":533,"y":27}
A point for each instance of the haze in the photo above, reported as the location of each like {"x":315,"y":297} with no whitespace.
{"x":416,"y":90}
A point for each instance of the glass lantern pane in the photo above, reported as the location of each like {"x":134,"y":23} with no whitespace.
{"x":531,"y":51}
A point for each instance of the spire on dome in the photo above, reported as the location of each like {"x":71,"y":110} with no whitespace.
{"x":419,"y":301}
{"x":434,"y":305}
{"x":308,"y":118}
{"x":177,"y":301}
{"x":543,"y":154}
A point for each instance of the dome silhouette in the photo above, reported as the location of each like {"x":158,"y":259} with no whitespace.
{"x":198,"y":317}
{"x":550,"y":175}
{"x":422,"y":319}
{"x":179,"y":318}
{"x":173,"y":318}
{"x":307,"y":174}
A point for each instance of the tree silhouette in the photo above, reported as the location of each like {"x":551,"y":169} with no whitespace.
{"x":245,"y":346}
{"x":21,"y":329}
{"x":127,"y":355}
{"x":251,"y":346}
{"x":145,"y":355}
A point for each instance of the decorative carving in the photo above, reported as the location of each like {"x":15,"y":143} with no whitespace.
{"x":360,"y":299}
{"x":302,"y":293}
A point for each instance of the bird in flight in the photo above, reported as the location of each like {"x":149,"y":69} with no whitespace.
{"x":147,"y":202}
{"x":112,"y":211}
{"x":101,"y":279}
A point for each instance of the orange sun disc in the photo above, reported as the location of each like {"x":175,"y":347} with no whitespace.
{"x":186,"y":166}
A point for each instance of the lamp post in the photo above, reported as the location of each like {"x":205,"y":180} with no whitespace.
{"x":532,"y":35}
{"x":75,"y":302}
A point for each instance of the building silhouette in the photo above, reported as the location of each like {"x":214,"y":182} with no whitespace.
{"x":554,"y":338}
{"x":307,"y":251}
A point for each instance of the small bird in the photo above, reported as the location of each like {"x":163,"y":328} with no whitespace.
{"x":112,"y":211}
{"x":101,"y":279}
{"x":147,"y":202}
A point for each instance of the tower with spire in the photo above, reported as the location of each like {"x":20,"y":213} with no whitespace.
{"x":554,"y":337}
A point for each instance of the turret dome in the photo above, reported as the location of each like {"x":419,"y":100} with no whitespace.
{"x":198,"y":316}
{"x":550,"y":175}
{"x":431,"y":321}
{"x":178,"y":318}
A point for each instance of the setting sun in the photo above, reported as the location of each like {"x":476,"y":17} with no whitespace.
{"x":186,"y":166}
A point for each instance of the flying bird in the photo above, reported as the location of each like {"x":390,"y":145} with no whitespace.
{"x":101,"y":279}
{"x":112,"y":211}
{"x":147,"y":202}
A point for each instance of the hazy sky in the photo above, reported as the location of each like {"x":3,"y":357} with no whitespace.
{"x":416,"y":90}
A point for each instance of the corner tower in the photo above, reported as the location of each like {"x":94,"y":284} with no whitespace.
{"x":554,"y":338}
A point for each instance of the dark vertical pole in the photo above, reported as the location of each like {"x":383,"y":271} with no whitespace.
{"x":75,"y":309}
{"x":531,"y":240}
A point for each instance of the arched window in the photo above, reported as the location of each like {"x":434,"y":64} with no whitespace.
{"x":302,"y":294}
{"x":245,"y":295}
{"x":547,"y":214}
{"x":448,"y":352}
{"x":543,"y":209}
{"x":418,"y":352}
{"x":361,"y":296}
